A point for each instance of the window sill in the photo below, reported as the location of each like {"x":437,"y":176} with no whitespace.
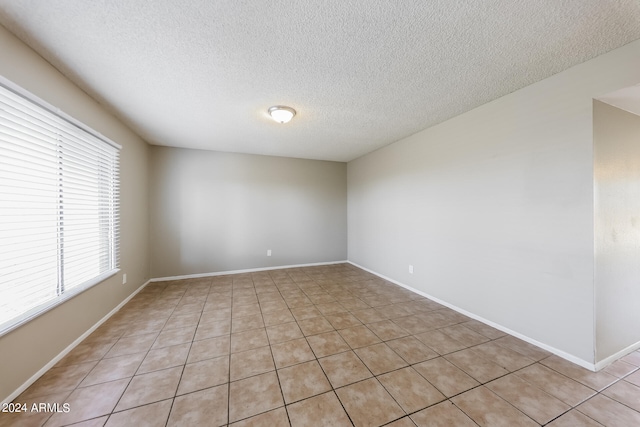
{"x":50,"y":305}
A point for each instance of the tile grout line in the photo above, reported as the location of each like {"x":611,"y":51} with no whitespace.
{"x":113,"y":411}
{"x":284,"y":402}
{"x":333,"y":390}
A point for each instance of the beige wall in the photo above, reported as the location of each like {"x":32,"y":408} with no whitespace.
{"x":616,"y":141}
{"x":24,"y":351}
{"x":213,"y":211}
{"x":494,"y":208}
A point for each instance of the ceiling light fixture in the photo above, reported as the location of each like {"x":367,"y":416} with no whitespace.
{"x":282,"y":114}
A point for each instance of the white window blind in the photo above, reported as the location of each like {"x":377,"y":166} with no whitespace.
{"x":59,"y":189}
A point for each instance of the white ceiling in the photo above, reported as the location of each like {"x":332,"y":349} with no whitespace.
{"x":361,"y":73}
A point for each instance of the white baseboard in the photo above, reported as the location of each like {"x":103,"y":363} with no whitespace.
{"x":248,"y":270}
{"x":571,"y":358}
{"x":70,"y":347}
{"x":609,"y":360}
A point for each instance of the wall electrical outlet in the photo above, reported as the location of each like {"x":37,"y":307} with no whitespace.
{"x":124,"y":279}
{"x":411,"y":269}
{"x":268,"y":252}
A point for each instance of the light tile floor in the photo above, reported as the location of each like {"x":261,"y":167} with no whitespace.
{"x":317,"y":346}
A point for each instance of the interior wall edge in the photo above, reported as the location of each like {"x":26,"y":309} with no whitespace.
{"x":616,"y":180}
{"x":560,"y":353}
{"x":620,"y":354}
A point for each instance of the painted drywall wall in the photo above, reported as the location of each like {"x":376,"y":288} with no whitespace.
{"x":616,"y":141}
{"x":494,"y":208}
{"x":213,"y":211}
{"x":24,"y":351}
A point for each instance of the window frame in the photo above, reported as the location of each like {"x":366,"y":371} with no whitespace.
{"x":66,"y":295}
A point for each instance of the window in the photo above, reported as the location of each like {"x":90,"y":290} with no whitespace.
{"x":59,"y":189}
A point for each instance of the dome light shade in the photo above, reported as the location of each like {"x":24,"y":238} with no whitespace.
{"x":282,"y":114}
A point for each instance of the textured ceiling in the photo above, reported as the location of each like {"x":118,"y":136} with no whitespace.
{"x":361,"y":73}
